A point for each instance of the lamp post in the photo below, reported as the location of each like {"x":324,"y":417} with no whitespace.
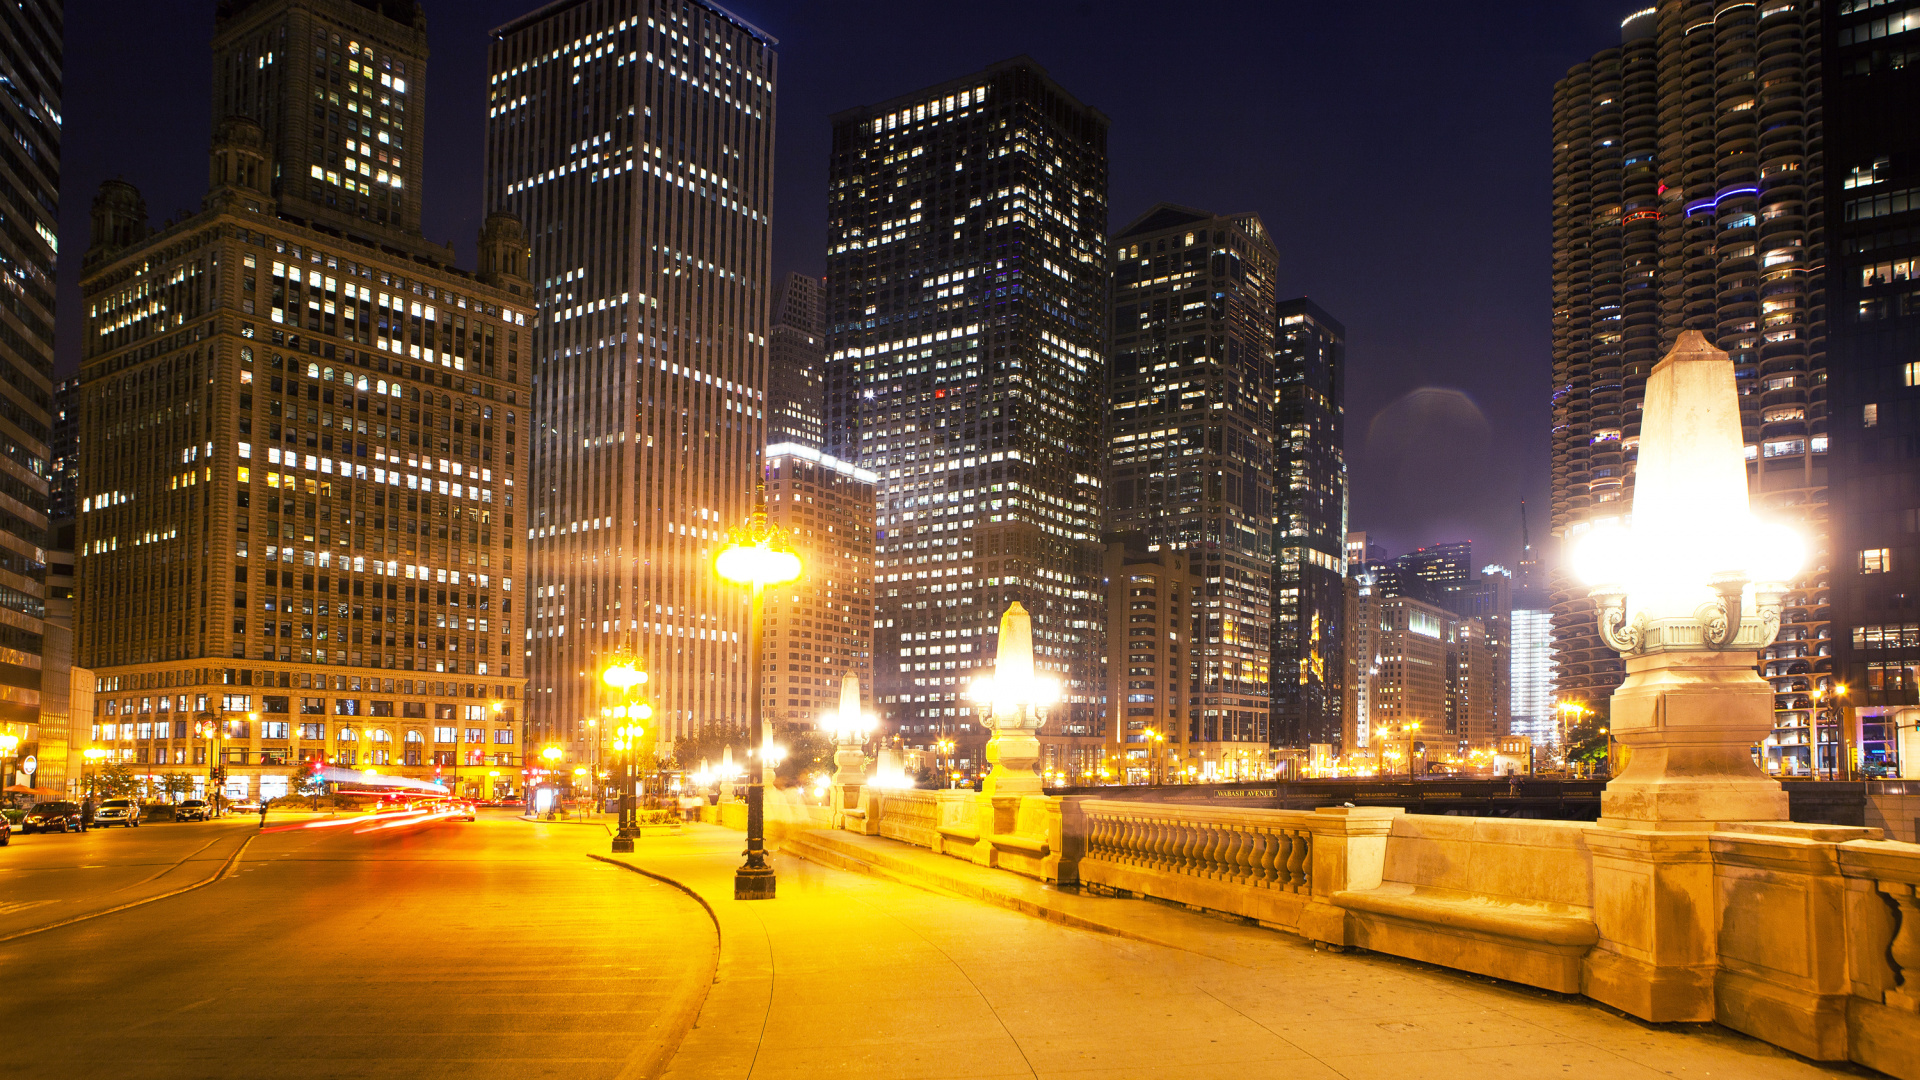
{"x":1412,"y":728}
{"x":621,"y":676}
{"x":1827,"y":703}
{"x":211,"y":728}
{"x":756,"y":558}
{"x":552,"y":755}
{"x":1689,"y":594}
{"x":93,"y":756}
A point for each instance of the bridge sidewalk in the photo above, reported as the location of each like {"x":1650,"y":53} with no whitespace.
{"x":863,"y":975}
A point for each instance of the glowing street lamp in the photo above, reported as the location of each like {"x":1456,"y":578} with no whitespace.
{"x":756,"y":557}
{"x":849,"y":726}
{"x":1016,"y":700}
{"x":623,"y":675}
{"x":1689,"y":592}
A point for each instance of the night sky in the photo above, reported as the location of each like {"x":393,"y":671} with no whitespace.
{"x":1398,"y":153}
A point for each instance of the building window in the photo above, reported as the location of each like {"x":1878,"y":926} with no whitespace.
{"x":1870,"y":414}
{"x":1875,"y":561}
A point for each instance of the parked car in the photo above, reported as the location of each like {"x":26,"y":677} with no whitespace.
{"x":6,"y":832}
{"x":53,"y":817}
{"x":191,"y":810}
{"x":122,"y":812}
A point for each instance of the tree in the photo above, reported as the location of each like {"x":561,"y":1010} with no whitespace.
{"x":1587,"y":742}
{"x":808,"y":753}
{"x":306,"y":781}
{"x":175,"y":785}
{"x":115,"y":781}
{"x":708,"y":746}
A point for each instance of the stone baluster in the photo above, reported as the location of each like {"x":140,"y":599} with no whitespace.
{"x":1297,"y":862}
{"x":1211,"y":837}
{"x":1267,"y":857}
{"x":1238,"y":841}
{"x":1905,"y":949}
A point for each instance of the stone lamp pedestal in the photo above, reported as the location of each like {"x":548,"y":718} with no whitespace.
{"x":1690,"y":718}
{"x":1014,"y":710}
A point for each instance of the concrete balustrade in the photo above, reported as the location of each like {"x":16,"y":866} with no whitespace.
{"x":1806,"y":936}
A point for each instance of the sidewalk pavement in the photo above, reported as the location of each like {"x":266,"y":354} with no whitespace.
{"x":853,"y":975}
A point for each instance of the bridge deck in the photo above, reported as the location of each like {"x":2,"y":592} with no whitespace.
{"x":856,"y":975}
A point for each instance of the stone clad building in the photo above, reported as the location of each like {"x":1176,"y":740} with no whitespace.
{"x":303,"y":435}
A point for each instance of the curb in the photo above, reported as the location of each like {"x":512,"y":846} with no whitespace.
{"x":662,"y":1039}
{"x":826,"y":853}
{"x":562,"y":821}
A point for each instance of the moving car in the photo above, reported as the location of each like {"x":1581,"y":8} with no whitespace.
{"x":59,"y":817}
{"x":122,"y":812}
{"x":460,"y":811}
{"x":191,"y":810}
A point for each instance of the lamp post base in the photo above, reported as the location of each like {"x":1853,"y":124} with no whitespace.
{"x":753,"y":883}
{"x":622,"y":844}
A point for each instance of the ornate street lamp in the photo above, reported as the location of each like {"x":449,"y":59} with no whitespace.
{"x":1016,"y":701}
{"x":848,"y":727}
{"x":756,"y":557}
{"x":622,"y":675}
{"x":1689,"y":593}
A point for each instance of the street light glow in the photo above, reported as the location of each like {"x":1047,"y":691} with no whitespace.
{"x":756,"y":562}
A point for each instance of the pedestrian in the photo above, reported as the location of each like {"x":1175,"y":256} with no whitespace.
{"x":86,"y":813}
{"x":263,"y":812}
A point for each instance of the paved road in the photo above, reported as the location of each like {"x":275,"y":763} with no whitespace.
{"x":426,"y":949}
{"x":51,"y":877}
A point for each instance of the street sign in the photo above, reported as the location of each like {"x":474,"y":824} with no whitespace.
{"x":29,"y":764}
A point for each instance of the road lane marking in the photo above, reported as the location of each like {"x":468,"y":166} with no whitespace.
{"x":22,"y":905}
{"x":173,"y":867}
{"x":135,"y":903}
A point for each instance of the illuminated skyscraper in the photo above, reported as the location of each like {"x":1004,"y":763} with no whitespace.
{"x":345,"y":159}
{"x":1688,"y":195}
{"x":31,"y":107}
{"x":796,"y":361}
{"x":635,"y":138}
{"x":1190,"y":471}
{"x":1310,"y":526}
{"x":966,"y":328}
{"x":1873,"y":278}
{"x":821,"y":627}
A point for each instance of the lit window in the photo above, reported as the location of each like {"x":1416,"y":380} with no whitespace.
{"x":1875,"y":561}
{"x":1869,"y":415}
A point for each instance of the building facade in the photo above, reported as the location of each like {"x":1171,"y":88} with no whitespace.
{"x":1689,"y":194}
{"x":1531,"y":667}
{"x":1873,"y":360}
{"x":297,"y":521}
{"x":32,"y":61}
{"x":796,"y":362}
{"x":1190,"y":459}
{"x":1432,"y":694}
{"x":821,"y":627}
{"x":1310,"y":527}
{"x":966,"y":336}
{"x":339,"y":89}
{"x":635,"y":137}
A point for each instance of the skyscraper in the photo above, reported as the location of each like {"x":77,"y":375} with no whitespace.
{"x":1190,"y":465}
{"x":796,"y":361}
{"x":347,"y":159}
{"x":820,"y":628}
{"x":1531,"y":667}
{"x":1310,"y":526}
{"x":297,"y":514}
{"x":966,"y":327}
{"x":31,"y":107}
{"x":1688,"y":195}
{"x":1873,"y":280}
{"x":635,"y":138}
